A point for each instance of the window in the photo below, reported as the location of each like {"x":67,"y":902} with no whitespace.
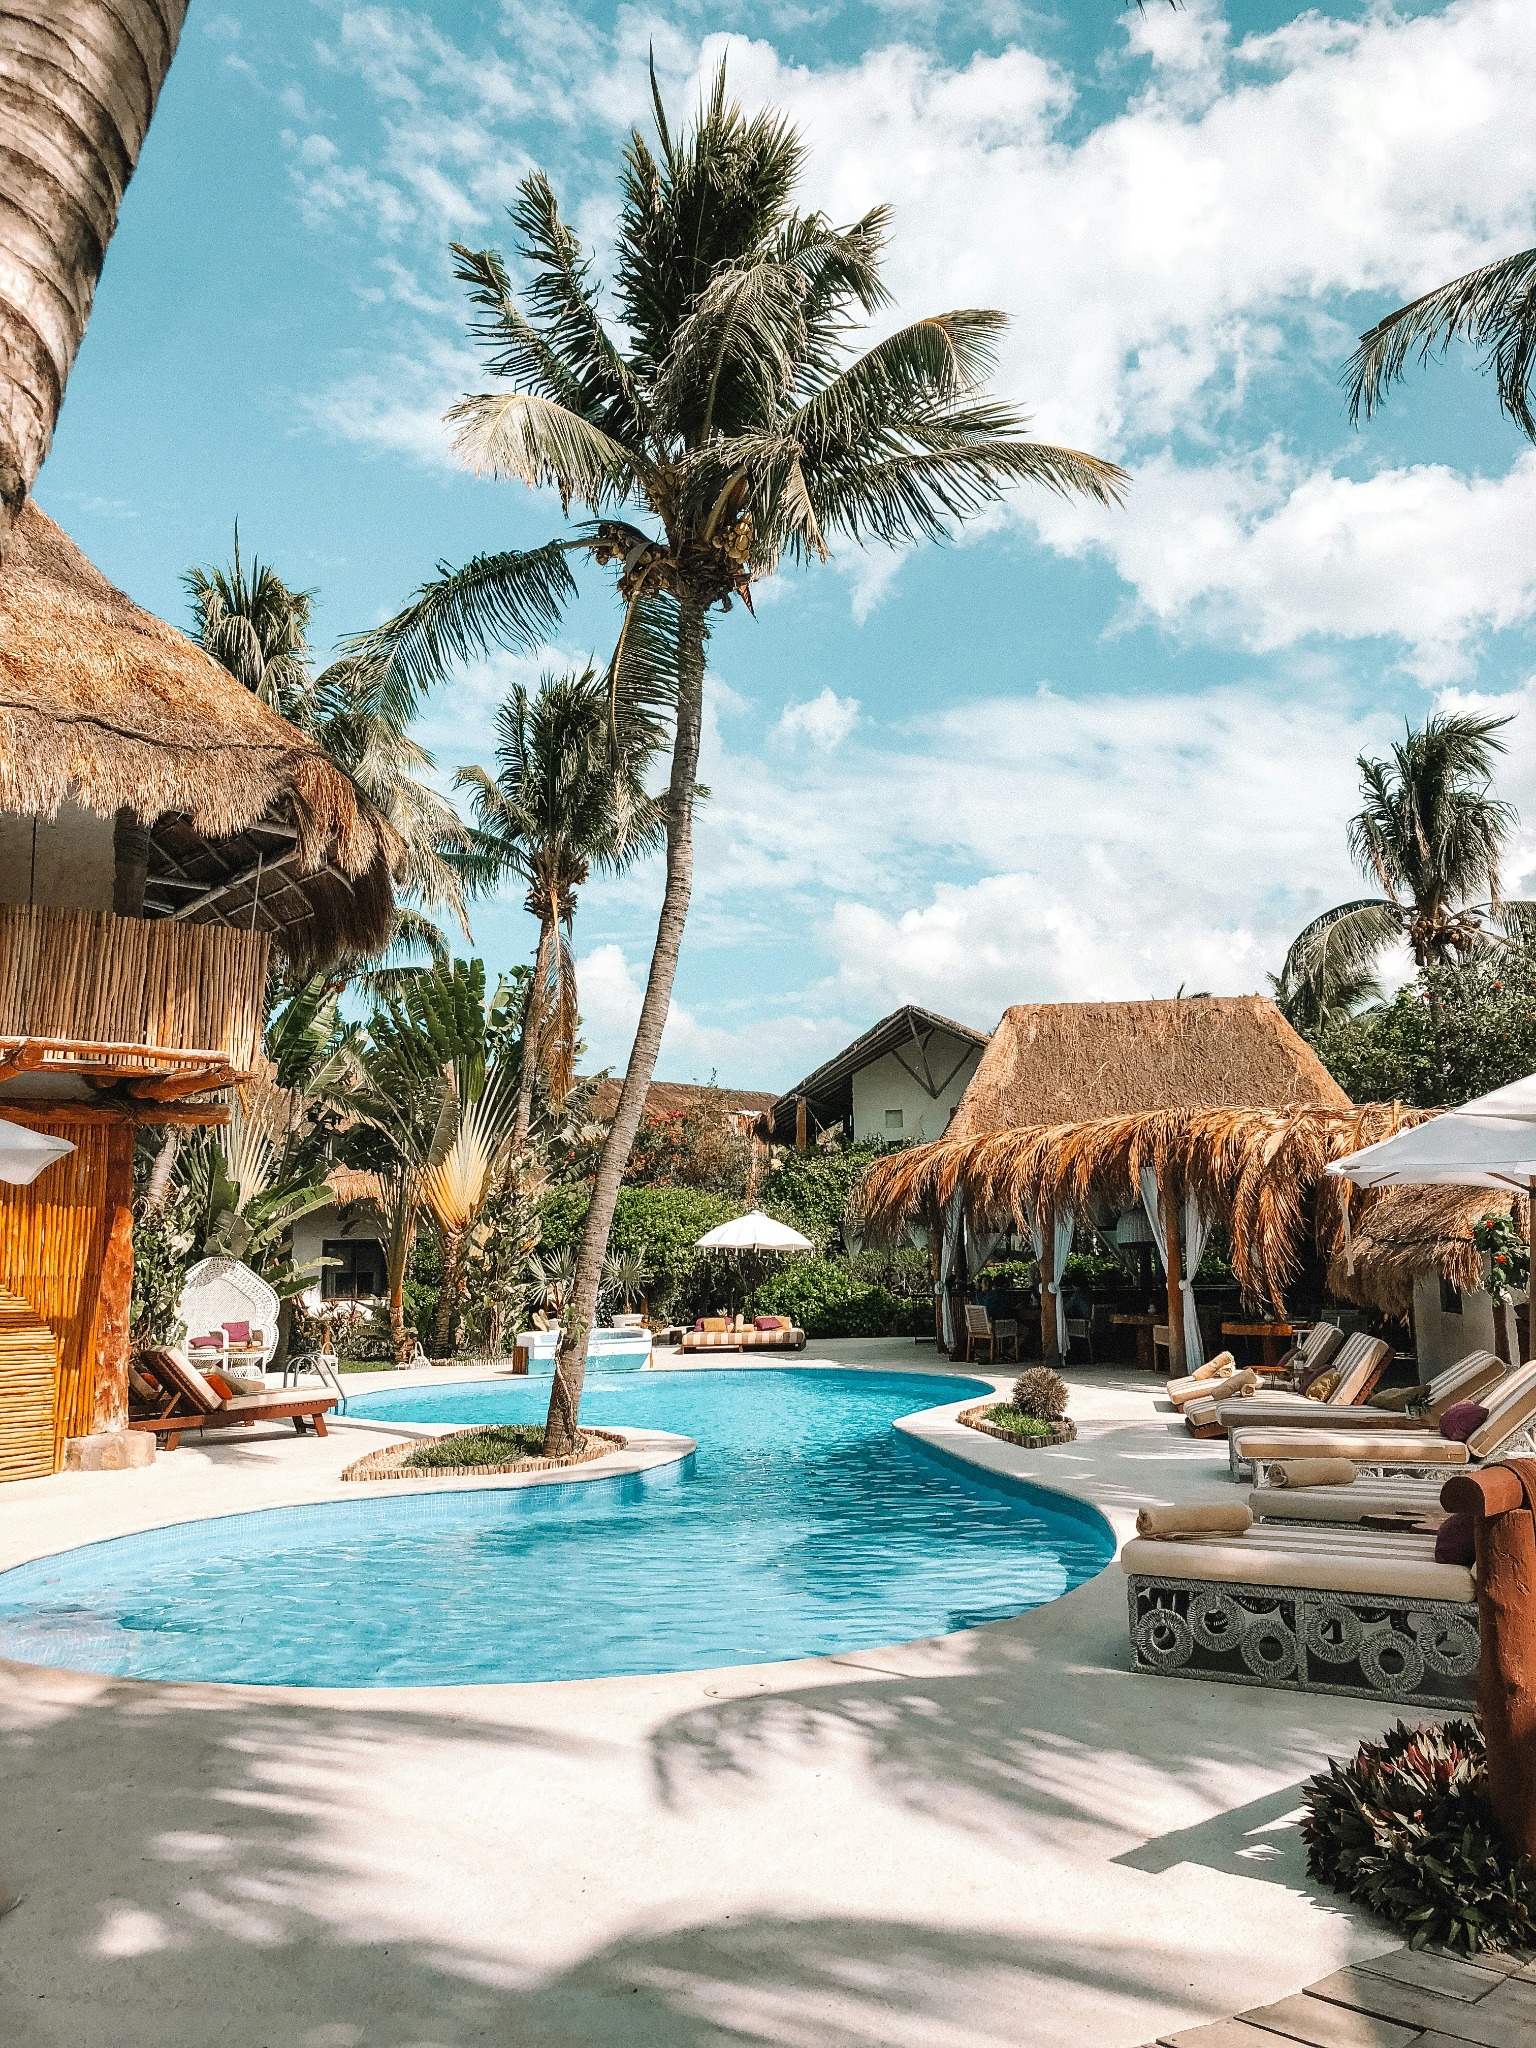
{"x":1450,"y":1298}
{"x":892,"y":1121}
{"x":359,"y":1269}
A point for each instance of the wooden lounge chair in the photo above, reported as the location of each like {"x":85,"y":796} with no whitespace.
{"x":188,"y":1402}
{"x":1385,"y":1450}
{"x":1306,"y":1608}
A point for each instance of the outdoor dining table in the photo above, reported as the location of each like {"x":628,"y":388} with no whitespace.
{"x":1270,"y":1335}
{"x":1143,"y":1325}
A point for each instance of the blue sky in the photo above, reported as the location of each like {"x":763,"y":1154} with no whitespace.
{"x":1079,"y":754}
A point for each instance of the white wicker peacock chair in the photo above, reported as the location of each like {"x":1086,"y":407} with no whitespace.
{"x":218,"y":1291}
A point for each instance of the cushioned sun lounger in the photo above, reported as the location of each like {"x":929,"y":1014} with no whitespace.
{"x":1511,"y":1424}
{"x":1359,"y":1364}
{"x":190,"y":1403}
{"x":1310,"y":1609}
{"x":1466,"y":1380}
{"x":1342,"y":1504}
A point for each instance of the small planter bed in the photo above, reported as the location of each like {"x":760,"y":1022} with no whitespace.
{"x":479,"y":1454}
{"x":997,"y":1418}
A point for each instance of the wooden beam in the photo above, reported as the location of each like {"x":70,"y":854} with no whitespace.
{"x":114,"y":1291}
{"x":233,"y":882}
{"x":52,"y":1116}
{"x":174,"y":1086}
{"x":1174,"y":1264}
{"x":800,"y":1131}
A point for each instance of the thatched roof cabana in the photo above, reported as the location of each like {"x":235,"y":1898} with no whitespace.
{"x":104,"y":706}
{"x":1400,"y":1233}
{"x":1056,"y":1063}
{"x":1261,"y":1172}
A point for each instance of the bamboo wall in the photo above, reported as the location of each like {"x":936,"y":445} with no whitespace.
{"x":31,"y":1441}
{"x":88,"y":976}
{"x":53,"y":1238}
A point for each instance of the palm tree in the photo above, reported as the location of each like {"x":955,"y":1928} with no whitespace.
{"x":1431,"y":835}
{"x":1494,"y":307}
{"x":257,"y":626}
{"x":80,"y":90}
{"x":731,"y":416}
{"x":559,"y":805}
{"x":1311,"y":1003}
{"x":435,"y":1082}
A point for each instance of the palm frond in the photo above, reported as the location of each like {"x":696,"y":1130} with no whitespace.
{"x":523,"y":435}
{"x":1344,"y":942}
{"x":511,"y":600}
{"x":1493,"y":307}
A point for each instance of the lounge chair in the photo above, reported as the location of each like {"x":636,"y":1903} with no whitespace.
{"x":1312,"y":1609}
{"x":1316,"y":1350}
{"x":1342,"y":1505}
{"x":1386,"y":1451}
{"x":721,"y":1334}
{"x":188,"y":1402}
{"x":1358,"y":1366}
{"x":1469,"y":1379}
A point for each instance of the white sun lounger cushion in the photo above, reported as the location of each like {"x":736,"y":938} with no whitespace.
{"x":1342,"y":1503}
{"x":1390,"y":1565}
{"x":1270,"y":1411}
{"x":1365,"y":1447}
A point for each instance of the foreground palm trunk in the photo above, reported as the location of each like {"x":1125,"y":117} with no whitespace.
{"x":78,"y":83}
{"x":576,"y":1324}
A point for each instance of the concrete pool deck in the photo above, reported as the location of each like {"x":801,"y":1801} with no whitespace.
{"x":992,"y":1838}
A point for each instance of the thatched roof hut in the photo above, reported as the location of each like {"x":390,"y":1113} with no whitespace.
{"x":1056,"y":1063}
{"x":109,"y":709}
{"x":1402,"y":1233}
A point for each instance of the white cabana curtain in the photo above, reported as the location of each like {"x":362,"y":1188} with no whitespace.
{"x":1061,"y":1246}
{"x":948,"y":1252}
{"x":1196,"y":1229}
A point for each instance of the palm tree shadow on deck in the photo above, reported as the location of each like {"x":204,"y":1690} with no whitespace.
{"x":186,"y":1867}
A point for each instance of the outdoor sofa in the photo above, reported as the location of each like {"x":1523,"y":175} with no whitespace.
{"x":721,"y":1334}
{"x":1392,"y":1448}
{"x":179,"y":1399}
{"x":1307,"y":1607}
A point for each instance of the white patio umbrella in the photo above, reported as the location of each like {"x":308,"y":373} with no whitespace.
{"x":753,"y":1233}
{"x":24,"y":1152}
{"x":1490,"y":1142}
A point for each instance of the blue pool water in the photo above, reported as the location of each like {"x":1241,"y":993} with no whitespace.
{"x":803,"y":1524}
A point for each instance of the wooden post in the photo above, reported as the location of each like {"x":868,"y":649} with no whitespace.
{"x":800,"y":1119}
{"x":1502,"y":1500}
{"x":1174,"y":1266}
{"x":1049,"y":1350}
{"x":114,"y":1295}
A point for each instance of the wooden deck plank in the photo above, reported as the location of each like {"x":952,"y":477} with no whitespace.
{"x":1483,"y":2023}
{"x":1220,"y":2034}
{"x":1323,"y":2025}
{"x":1450,"y":1976}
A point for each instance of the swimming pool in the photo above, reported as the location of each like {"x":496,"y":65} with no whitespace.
{"x":803,"y":1524}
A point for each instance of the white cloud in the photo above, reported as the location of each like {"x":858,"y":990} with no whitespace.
{"x":754,"y":1053}
{"x":825,"y":720}
{"x":1266,"y":552}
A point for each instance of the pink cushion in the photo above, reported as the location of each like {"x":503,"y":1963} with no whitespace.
{"x":1461,"y":1421}
{"x":238,"y":1333}
{"x":206,"y":1344}
{"x":1454,"y":1541}
{"x":699,"y":1325}
{"x":766,"y":1323}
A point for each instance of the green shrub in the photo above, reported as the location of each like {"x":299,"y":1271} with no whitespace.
{"x":1041,"y":1393}
{"x":1405,"y":1828}
{"x":497,"y":1445}
{"x":1006,"y":1416}
{"x":810,"y":1190}
{"x":659,"y":1225}
{"x":827,"y":1299}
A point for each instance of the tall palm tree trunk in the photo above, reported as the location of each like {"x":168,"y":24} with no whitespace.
{"x":533,"y":1024}
{"x":571,"y":1358}
{"x":78,"y":82}
{"x":448,"y":1296}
